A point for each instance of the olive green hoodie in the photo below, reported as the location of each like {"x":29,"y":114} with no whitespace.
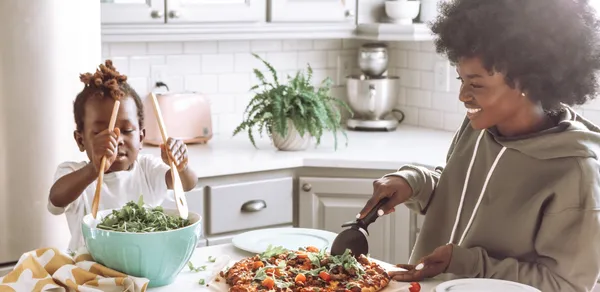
{"x":538,"y":219}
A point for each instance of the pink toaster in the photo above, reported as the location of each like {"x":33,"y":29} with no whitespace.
{"x":186,"y":115}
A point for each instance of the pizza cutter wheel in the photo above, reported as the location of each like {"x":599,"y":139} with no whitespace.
{"x":355,"y":237}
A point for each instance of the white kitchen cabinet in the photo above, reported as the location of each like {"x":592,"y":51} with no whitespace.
{"x":312,"y":11}
{"x":216,"y":11}
{"x":132,"y":11}
{"x":327,"y":203}
{"x":248,"y":205}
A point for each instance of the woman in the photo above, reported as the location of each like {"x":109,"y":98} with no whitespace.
{"x":519,"y":198}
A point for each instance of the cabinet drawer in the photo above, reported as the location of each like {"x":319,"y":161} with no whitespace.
{"x":247,"y":205}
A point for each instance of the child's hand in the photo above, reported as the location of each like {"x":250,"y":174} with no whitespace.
{"x":105,"y":144}
{"x":176,"y":150}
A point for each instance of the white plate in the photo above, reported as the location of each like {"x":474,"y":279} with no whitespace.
{"x":257,"y":241}
{"x":483,"y":285}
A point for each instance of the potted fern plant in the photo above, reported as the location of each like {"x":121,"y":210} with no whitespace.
{"x":294,"y":112}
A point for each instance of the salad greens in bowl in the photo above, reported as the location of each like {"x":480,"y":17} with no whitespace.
{"x":152,"y":243}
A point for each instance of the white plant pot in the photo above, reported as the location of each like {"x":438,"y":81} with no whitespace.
{"x":292,"y":141}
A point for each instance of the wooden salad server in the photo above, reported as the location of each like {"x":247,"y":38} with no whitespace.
{"x":111,"y":127}
{"x":180,"y":199}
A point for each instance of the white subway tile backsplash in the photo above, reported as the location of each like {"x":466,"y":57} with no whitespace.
{"x":205,"y":84}
{"x":222,"y":104}
{"x":265,"y":46}
{"x":430,"y":119}
{"x":400,"y":58}
{"x":411,"y":115}
{"x":222,"y":70}
{"x":234,"y":83}
{"x":283,"y":60}
{"x":234,"y":46}
{"x":327,"y":44}
{"x":205,"y":47}
{"x":446,"y":102}
{"x":246,"y":62}
{"x":140,"y":85}
{"x":427,"y":80}
{"x":140,"y":65}
{"x":122,"y":64}
{"x":175,"y":83}
{"x":316,"y":59}
{"x":420,"y":60}
{"x":350,"y":44}
{"x":165,"y":48}
{"x":409,"y":78}
{"x":217,"y":63}
{"x":452,"y":121}
{"x":183,"y":64}
{"x":409,"y":46}
{"x":297,"y":45}
{"x":128,"y":49}
{"x":418,"y":98}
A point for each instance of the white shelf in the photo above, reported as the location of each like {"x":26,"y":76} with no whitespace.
{"x":394,"y":32}
{"x":209,"y":32}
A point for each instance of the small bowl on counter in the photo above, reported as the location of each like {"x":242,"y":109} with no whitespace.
{"x":402,"y":11}
{"x":156,"y":256}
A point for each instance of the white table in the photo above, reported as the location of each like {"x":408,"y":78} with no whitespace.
{"x":188,"y":281}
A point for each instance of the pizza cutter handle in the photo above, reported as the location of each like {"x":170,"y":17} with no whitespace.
{"x":373,"y":214}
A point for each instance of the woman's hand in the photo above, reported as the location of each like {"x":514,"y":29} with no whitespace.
{"x":176,"y":151}
{"x":393,"y":187}
{"x":430,"y":266}
{"x":105,"y":144}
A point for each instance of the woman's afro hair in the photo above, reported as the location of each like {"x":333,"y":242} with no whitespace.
{"x":550,"y":49}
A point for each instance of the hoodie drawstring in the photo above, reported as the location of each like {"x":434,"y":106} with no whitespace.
{"x":464,"y":191}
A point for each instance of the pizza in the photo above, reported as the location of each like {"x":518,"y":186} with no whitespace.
{"x":305,"y":270}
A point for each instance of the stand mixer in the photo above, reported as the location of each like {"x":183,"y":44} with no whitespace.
{"x":373,"y":95}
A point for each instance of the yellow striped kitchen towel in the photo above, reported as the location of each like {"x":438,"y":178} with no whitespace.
{"x":49,"y":269}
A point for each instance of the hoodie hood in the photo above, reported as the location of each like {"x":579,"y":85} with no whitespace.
{"x":573,"y":136}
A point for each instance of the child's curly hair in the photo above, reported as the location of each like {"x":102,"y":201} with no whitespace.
{"x":105,"y":82}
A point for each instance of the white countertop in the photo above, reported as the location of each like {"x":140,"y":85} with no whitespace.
{"x":188,"y":281}
{"x":226,"y":155}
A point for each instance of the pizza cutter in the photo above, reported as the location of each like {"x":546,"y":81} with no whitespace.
{"x":355,"y":237}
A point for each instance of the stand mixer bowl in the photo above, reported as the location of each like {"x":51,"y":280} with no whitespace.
{"x":373,"y":59}
{"x":372,"y":99}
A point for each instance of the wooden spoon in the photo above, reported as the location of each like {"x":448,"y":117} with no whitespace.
{"x":180,"y":200}
{"x":111,"y":127}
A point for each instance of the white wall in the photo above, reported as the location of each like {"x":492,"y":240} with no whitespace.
{"x":221,"y":70}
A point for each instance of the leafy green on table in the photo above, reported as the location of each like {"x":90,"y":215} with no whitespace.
{"x":136,"y":218}
{"x":196,"y":269}
{"x":202,"y":282}
{"x":212,"y":259}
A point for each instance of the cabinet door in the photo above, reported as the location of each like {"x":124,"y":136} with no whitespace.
{"x":216,"y":11}
{"x":132,"y":11}
{"x":312,"y":11}
{"x":247,"y":205}
{"x":327,"y":203}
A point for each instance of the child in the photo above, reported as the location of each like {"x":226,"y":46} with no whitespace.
{"x":128,"y":175}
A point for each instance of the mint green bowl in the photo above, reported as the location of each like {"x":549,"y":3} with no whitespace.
{"x":157,"y":256}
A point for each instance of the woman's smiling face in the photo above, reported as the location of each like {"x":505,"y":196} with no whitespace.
{"x":489,"y":101}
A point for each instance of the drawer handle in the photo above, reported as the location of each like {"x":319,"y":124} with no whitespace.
{"x":254,"y":206}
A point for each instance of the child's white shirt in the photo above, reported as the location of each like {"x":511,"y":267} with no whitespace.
{"x":147,"y":177}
